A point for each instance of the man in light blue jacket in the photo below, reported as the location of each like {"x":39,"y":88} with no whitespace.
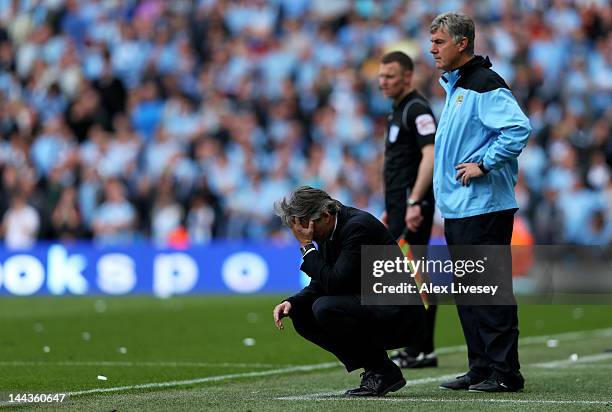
{"x":481,"y":132}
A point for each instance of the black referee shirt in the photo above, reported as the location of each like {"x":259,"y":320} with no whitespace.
{"x":410,"y":126}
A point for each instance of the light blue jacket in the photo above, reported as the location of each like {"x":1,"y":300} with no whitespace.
{"x":481,"y":121}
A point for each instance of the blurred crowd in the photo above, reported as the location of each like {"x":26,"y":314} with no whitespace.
{"x":183,"y":121}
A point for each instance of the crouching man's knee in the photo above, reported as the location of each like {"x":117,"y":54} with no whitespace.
{"x":326,"y":311}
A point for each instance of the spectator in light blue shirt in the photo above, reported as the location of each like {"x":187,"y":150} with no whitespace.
{"x":115,"y":219}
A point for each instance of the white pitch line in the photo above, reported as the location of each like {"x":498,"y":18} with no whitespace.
{"x":304,"y":368}
{"x":536,"y":340}
{"x":454,"y":349}
{"x":577,"y":335}
{"x":431,"y":379}
{"x":415,"y":400}
{"x":524,"y":341}
{"x":568,"y":362}
{"x":149,"y":364}
{"x":411,"y":382}
{"x":590,"y":366}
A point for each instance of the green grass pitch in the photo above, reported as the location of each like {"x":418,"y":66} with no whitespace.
{"x":223,"y":353}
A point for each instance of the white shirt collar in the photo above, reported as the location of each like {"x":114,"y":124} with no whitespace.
{"x":335,"y":225}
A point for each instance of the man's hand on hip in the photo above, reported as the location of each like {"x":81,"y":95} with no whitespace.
{"x":281,"y":311}
{"x":413,"y":218}
{"x":467,"y":171}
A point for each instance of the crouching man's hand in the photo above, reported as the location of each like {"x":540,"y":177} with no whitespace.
{"x":281,"y":311}
{"x":303,"y":230}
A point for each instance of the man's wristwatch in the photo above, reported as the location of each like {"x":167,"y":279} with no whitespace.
{"x":412,"y":202}
{"x":307,"y":248}
{"x":482,"y":168}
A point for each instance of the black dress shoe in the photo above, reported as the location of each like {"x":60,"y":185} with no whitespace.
{"x":462,"y":382}
{"x":365,"y":376}
{"x":376,"y":384}
{"x":493,"y":385}
{"x":406,"y":361}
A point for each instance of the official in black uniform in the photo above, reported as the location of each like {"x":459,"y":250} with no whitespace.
{"x":408,"y":173}
{"x":328,"y":312}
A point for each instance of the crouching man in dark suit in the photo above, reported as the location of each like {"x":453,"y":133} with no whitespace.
{"x":328,"y":312}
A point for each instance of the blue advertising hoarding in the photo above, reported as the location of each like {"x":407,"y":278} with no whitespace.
{"x":83,"y":268}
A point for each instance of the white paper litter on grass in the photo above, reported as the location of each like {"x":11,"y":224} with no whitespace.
{"x":102,"y":378}
{"x":252,"y":317}
{"x":577,"y":313}
{"x":248,"y":342}
{"x":46,"y":349}
{"x":122,"y":350}
{"x":552,"y":343}
{"x":100,"y":306}
{"x":86,"y":335}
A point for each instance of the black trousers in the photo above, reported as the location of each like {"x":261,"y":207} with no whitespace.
{"x":395,"y":205}
{"x":358,"y":335}
{"x":491,"y":332}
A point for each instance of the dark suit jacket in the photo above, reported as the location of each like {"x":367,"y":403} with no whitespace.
{"x":335,"y":269}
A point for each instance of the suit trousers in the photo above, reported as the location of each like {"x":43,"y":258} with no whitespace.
{"x":358,"y":335}
{"x":491,"y":331}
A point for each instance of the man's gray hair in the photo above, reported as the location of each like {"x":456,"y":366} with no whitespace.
{"x":457,"y":26}
{"x":305,"y":203}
